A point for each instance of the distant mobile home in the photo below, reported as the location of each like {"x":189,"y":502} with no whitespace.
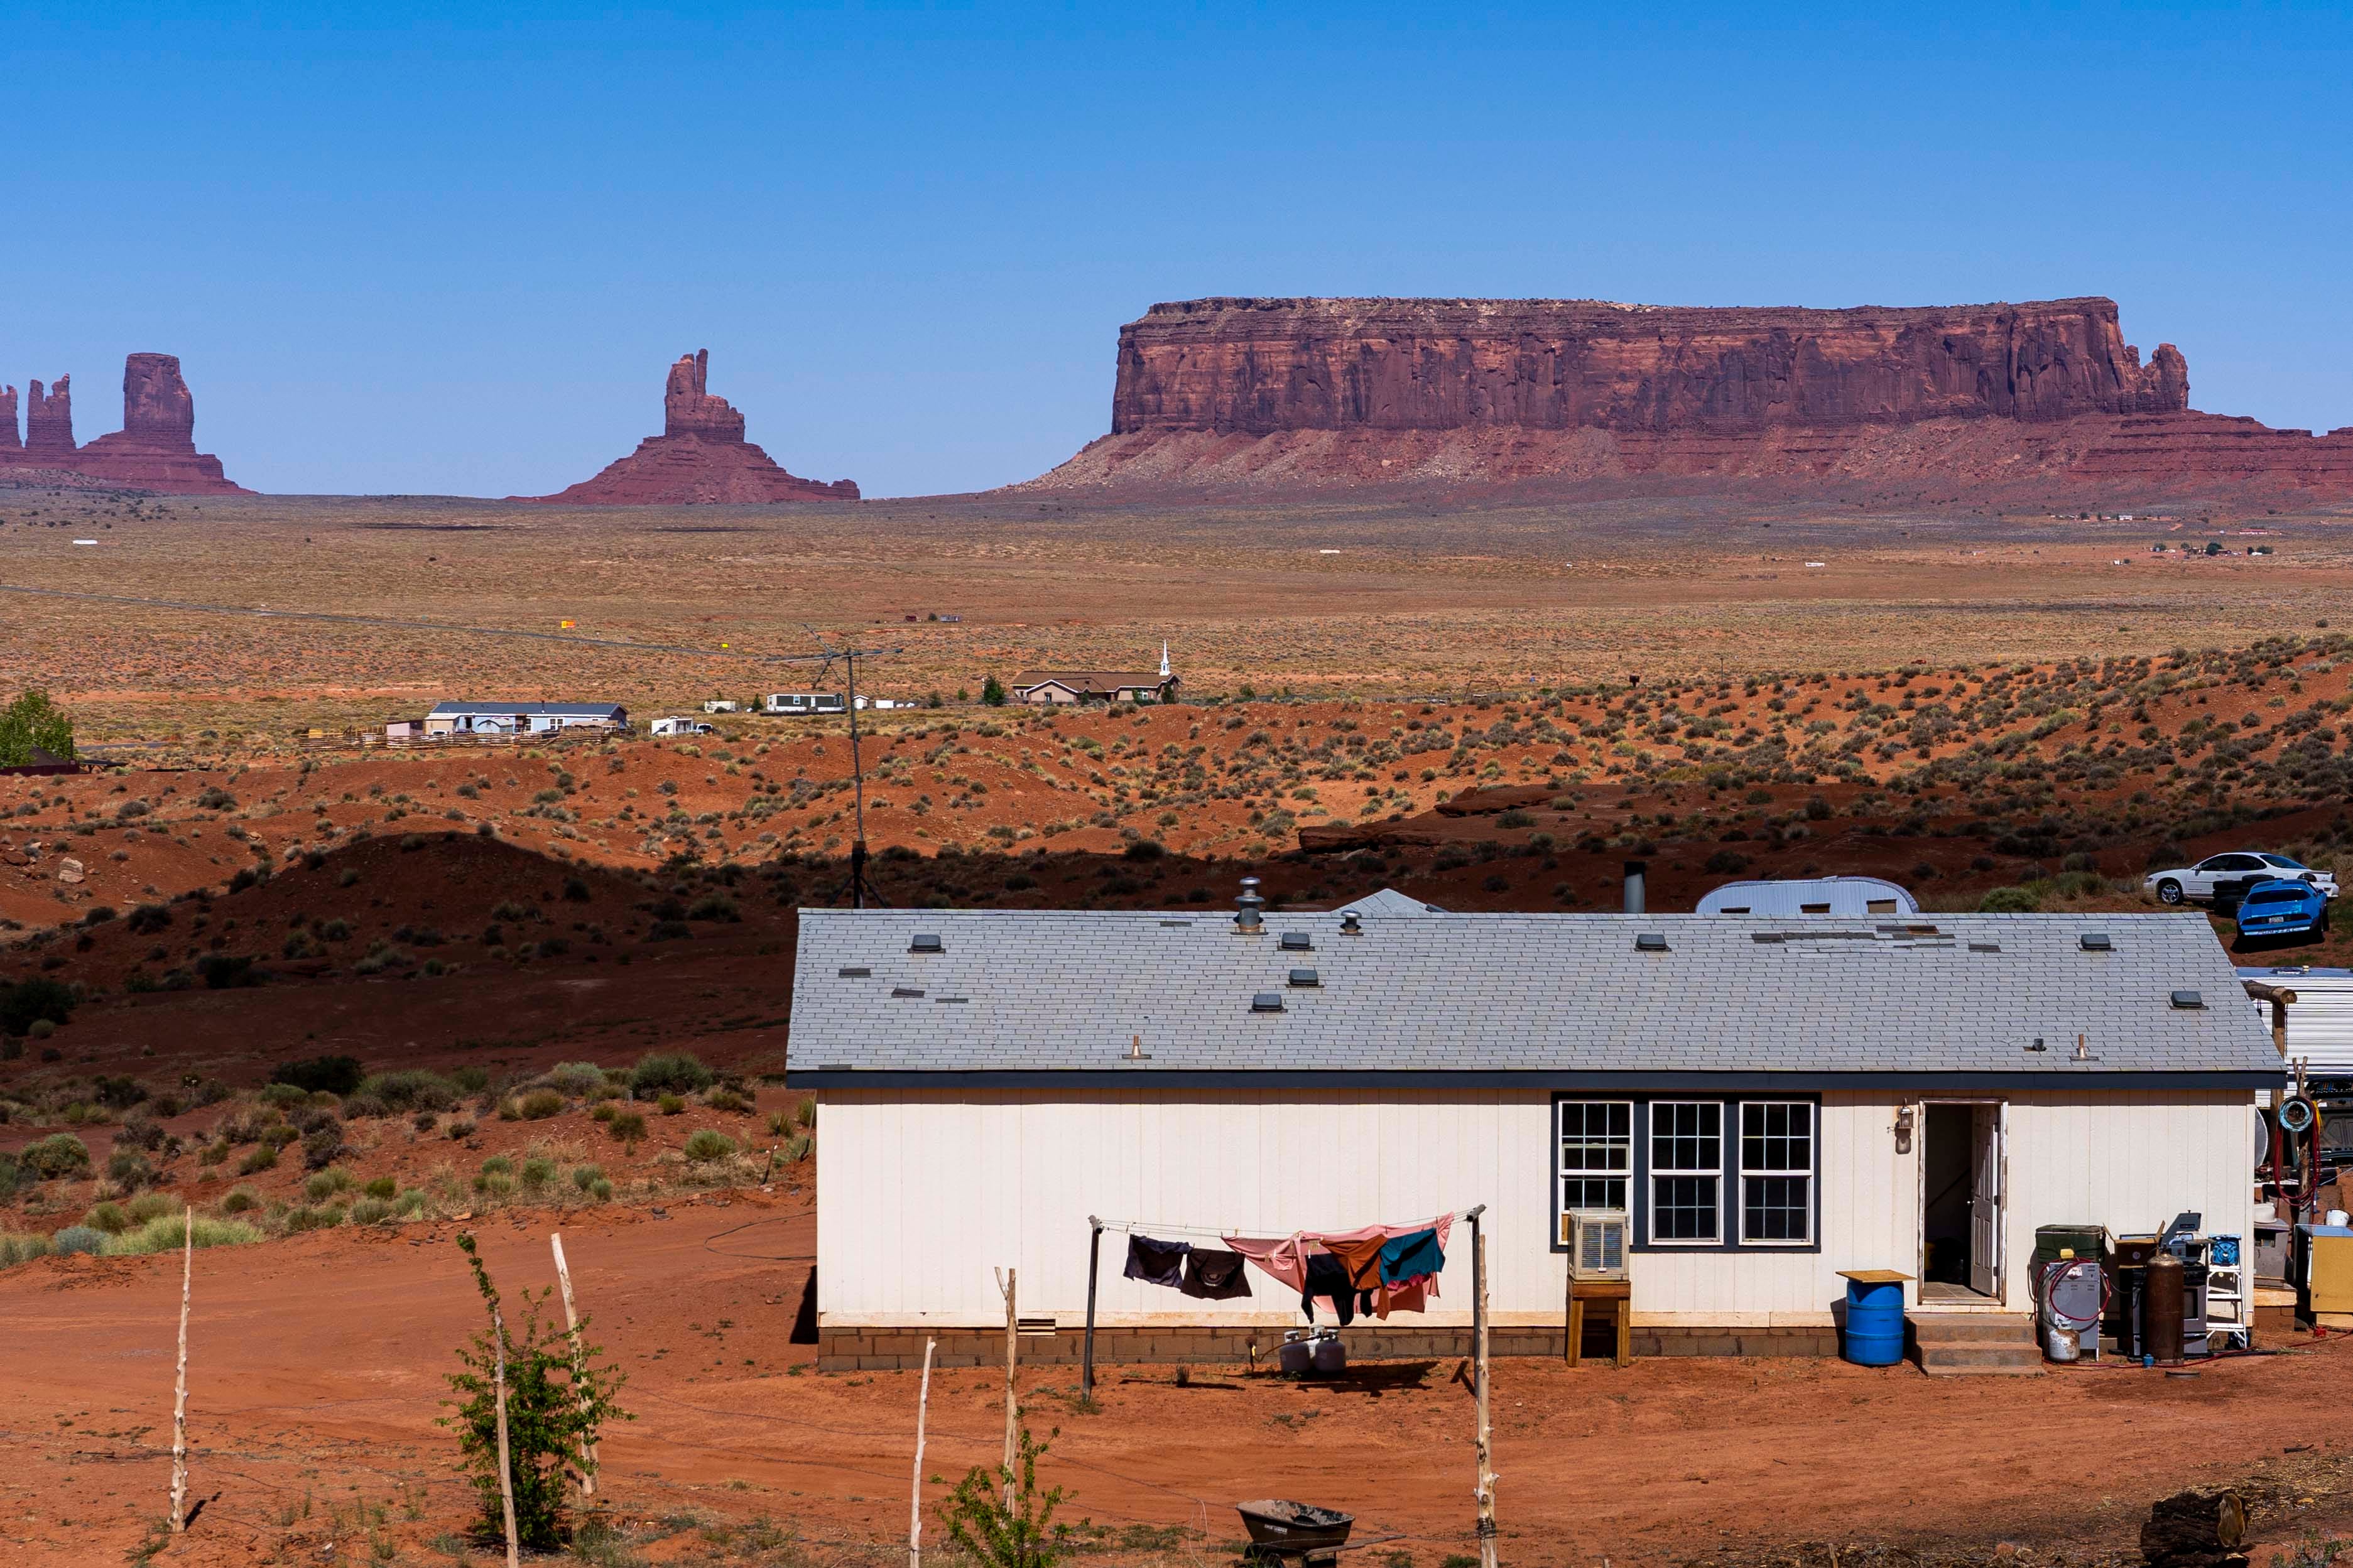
{"x":1767,"y":1102}
{"x":522,"y":718}
{"x":803,"y":704}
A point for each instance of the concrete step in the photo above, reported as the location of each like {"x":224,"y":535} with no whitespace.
{"x":1957,"y":1344}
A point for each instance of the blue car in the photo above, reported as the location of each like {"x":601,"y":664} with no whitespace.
{"x":2282,"y":907}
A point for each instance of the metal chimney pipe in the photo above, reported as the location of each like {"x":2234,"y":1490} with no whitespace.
{"x":1634,"y":875}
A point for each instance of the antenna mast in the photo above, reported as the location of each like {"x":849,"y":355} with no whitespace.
{"x":861,"y":887}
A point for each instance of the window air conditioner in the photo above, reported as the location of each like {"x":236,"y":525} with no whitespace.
{"x":1597,"y":1244}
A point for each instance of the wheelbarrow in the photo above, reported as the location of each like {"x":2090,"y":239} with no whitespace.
{"x":1296,"y":1533}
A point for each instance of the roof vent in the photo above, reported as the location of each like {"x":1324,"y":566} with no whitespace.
{"x":1350,"y":925}
{"x":1305,"y":979}
{"x":1247,"y":919}
{"x":926,"y":941}
{"x":2189,"y":999}
{"x":856,"y":972}
{"x":833,"y":1067}
{"x":1650,"y":941}
{"x":1267,"y":1002}
{"x":906,"y":991}
{"x":2097,"y":942}
{"x":1297,"y":942}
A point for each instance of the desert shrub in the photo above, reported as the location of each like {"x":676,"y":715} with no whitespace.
{"x":112,"y":1218}
{"x":121,"y":1092}
{"x":670,"y":1105}
{"x":797,"y":1147}
{"x":676,"y":1071}
{"x":237,"y":1200}
{"x":128,"y":1169}
{"x":668,"y":931}
{"x":321,"y":1147}
{"x":576,"y":1078}
{"x":58,"y":1155}
{"x":78,"y":1239}
{"x":383,"y":1187}
{"x":8,"y":1177}
{"x":585,"y":1177}
{"x":537,"y":1172}
{"x":370,"y":1211}
{"x":709,"y":1144}
{"x":495,"y":1185}
{"x":149,"y":1206}
{"x":471,"y":1080}
{"x":41,"y":1030}
{"x":259,"y":1158}
{"x":28,"y":1002}
{"x":409,"y":1204}
{"x":2009,"y":901}
{"x":362,"y":1105}
{"x":714,"y":907}
{"x":141,"y":1130}
{"x":228,"y":971}
{"x":146,"y":918}
{"x":806,"y":1111}
{"x":540,"y":1104}
{"x":722,"y":1098}
{"x":628,"y":1128}
{"x":575,"y":890}
{"x":1724,"y":862}
{"x":16,"y":1249}
{"x":605,"y":1111}
{"x":559,"y":1395}
{"x":213,"y":1154}
{"x":281,"y":1095}
{"x":459,"y":1130}
{"x":167,"y":1233}
{"x":998,"y":1518}
{"x":330,"y":1075}
{"x":498,"y":1165}
{"x":309,"y":1217}
{"x":326,"y":1183}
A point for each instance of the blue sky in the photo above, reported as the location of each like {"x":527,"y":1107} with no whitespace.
{"x":454,"y":255}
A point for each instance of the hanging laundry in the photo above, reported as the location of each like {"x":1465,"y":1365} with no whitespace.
{"x":1157,"y":1262}
{"x":1284,"y":1260}
{"x":1411,"y":1256}
{"x":1214,"y":1276}
{"x":1359,"y":1253}
{"x":1328,"y":1276}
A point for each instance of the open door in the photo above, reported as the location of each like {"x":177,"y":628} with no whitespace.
{"x":1985,"y":1199}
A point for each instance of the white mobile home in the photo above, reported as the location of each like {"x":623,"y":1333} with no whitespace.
{"x":522,"y":718}
{"x":1770,"y":1101}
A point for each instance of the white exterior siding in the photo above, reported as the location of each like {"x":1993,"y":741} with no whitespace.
{"x":921,"y":1193}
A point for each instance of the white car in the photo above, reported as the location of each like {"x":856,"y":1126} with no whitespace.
{"x":680,"y":727}
{"x":2196,"y":884}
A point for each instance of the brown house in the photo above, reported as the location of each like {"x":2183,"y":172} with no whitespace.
{"x":1050,"y":686}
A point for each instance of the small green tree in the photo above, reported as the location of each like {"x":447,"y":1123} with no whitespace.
{"x":34,"y":721}
{"x":559,"y":1395}
{"x":992,"y":692}
{"x":1007,"y":1522}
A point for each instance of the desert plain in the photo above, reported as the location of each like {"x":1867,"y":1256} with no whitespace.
{"x":1489,"y":701}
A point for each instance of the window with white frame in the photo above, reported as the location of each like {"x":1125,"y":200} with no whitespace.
{"x":1687,"y":1172}
{"x":1777,"y":1173}
{"x":1597,"y":1154}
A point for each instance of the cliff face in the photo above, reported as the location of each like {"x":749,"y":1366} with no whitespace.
{"x":701,"y":458}
{"x":48,"y":422}
{"x":1258,"y":366}
{"x":155,"y":450}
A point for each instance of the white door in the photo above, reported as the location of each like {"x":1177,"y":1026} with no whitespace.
{"x":1985,"y":1199}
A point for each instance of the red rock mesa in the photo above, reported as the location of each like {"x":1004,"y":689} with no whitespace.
{"x":1268,"y":393}
{"x":699,"y":458}
{"x":155,"y":450}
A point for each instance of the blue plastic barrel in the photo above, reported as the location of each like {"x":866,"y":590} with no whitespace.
{"x":1874,"y":1323}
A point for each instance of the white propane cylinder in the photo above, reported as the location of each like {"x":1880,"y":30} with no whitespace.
{"x":2063,"y":1344}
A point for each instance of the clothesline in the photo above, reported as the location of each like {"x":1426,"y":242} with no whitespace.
{"x":1148,"y":1227}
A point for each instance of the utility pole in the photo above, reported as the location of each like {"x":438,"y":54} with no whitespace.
{"x":861,"y":886}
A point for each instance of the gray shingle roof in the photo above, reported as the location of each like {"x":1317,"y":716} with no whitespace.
{"x":1055,"y":992}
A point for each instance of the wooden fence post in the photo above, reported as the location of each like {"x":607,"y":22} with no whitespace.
{"x":180,"y":1393}
{"x":1012,"y":1355}
{"x":1479,"y":1349}
{"x":506,"y":1474}
{"x":915,"y":1498}
{"x":572,"y":1329}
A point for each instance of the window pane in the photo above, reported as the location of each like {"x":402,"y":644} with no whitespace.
{"x":1686,"y":1135}
{"x":1684,"y":1208}
{"x":1775,"y":1208}
{"x":1593,"y":1192}
{"x":1596,"y":1135}
{"x":1777,"y":1136}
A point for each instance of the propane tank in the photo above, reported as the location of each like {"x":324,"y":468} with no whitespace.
{"x":2161,"y":1305}
{"x":2063,"y":1344}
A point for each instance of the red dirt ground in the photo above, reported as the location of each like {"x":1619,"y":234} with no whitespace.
{"x":317,"y":1362}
